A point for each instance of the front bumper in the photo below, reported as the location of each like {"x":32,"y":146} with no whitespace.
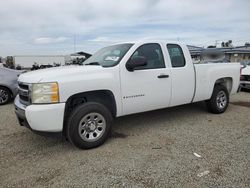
{"x":245,"y":84}
{"x":43,"y":118}
{"x":20,"y":113}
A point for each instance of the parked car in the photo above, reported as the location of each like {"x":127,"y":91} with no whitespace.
{"x":245,"y":75}
{"x":8,"y":84}
{"x":82,"y":101}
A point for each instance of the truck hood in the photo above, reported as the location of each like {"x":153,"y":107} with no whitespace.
{"x":57,"y":73}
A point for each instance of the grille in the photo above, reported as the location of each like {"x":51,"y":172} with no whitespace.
{"x":245,"y":77}
{"x":23,"y":91}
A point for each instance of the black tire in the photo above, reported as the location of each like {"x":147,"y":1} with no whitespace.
{"x":214,"y":105}
{"x":5,"y":95}
{"x":76,"y":118}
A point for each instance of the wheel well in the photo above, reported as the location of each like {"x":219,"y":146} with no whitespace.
{"x":227,"y":82}
{"x":7,"y":89}
{"x":104,"y":97}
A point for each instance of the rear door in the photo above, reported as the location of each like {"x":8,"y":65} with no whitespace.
{"x":183,"y":75}
{"x":148,"y":87}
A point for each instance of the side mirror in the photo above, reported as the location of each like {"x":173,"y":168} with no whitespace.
{"x":136,"y":62}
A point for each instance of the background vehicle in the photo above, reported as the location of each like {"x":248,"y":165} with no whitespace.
{"x":245,"y":75}
{"x":8,"y":84}
{"x":82,"y":101}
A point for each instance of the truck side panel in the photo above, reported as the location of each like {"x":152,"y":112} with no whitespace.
{"x":102,"y":79}
{"x":208,"y":74}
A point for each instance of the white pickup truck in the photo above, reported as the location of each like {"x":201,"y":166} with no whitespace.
{"x":82,"y":101}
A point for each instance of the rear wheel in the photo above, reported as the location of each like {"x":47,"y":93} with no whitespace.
{"x":218,"y":103}
{"x":5,"y":95}
{"x":89,"y":125}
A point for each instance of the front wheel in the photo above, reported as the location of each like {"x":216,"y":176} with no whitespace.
{"x":218,"y":103}
{"x":89,"y":125}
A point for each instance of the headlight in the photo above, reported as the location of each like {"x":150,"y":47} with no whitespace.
{"x":45,"y":93}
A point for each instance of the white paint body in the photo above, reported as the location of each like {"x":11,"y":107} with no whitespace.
{"x":28,"y":61}
{"x":187,"y":84}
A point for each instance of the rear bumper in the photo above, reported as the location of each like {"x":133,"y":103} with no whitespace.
{"x":42,"y":118}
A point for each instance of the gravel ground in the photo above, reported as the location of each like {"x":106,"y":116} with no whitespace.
{"x":153,"y":149}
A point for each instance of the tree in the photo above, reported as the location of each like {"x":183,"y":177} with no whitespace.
{"x":247,"y":44}
{"x":229,"y":43}
{"x":10,"y":62}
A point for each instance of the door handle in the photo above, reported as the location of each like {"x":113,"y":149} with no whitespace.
{"x":163,"y":76}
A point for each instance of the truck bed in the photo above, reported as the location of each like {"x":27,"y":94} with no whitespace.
{"x":208,"y":73}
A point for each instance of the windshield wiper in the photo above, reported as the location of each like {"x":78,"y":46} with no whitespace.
{"x":93,"y":63}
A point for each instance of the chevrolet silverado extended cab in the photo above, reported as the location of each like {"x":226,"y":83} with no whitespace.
{"x":122,"y":79}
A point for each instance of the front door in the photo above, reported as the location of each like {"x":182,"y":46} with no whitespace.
{"x":147,"y":87}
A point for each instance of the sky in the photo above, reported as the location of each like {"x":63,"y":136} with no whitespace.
{"x":60,"y":27}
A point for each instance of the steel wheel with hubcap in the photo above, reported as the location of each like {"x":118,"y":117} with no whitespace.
{"x":5,"y":95}
{"x":89,"y":125}
{"x":218,"y":103}
{"x":92,"y":126}
{"x":221,"y":99}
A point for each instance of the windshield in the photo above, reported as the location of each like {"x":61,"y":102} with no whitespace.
{"x":108,"y":56}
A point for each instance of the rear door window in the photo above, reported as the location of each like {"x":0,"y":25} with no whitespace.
{"x":176,"y":55}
